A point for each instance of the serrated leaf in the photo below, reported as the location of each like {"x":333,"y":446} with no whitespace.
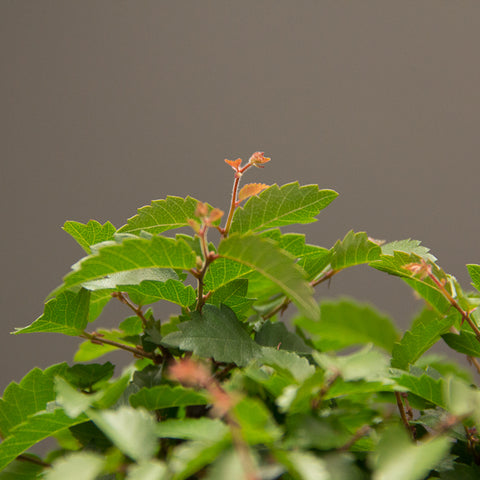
{"x":162,"y":215}
{"x":464,"y":342}
{"x":149,"y":291}
{"x":279,"y":206}
{"x":354,"y":249}
{"x":90,"y":234}
{"x":67,"y":314}
{"x":276,"y":335}
{"x":202,"y":428}
{"x":397,"y":458}
{"x":32,"y":431}
{"x":131,"y":430}
{"x":132,"y":254}
{"x":423,"y":386}
{"x":424,"y":333}
{"x":345,"y":322}
{"x":260,"y":255}
{"x":216,"y":333}
{"x":31,"y":395}
{"x":297,"y":367}
{"x":474,"y":272}
{"x":234,"y":295}
{"x":165,"y":396}
{"x":76,"y":466}
{"x":408,"y":246}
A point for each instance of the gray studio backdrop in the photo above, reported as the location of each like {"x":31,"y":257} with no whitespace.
{"x":107,"y":105}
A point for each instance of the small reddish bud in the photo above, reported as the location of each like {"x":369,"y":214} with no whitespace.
{"x":235,"y":164}
{"x":258,"y":159}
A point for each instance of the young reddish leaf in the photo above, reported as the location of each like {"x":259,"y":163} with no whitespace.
{"x":249,"y":190}
{"x":258,"y":159}
{"x":235,"y":164}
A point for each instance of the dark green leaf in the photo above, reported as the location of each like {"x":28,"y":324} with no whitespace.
{"x":464,"y":342}
{"x":67,"y":314}
{"x":90,"y":234}
{"x":234,"y":295}
{"x":85,"y":376}
{"x":345,"y":322}
{"x":22,"y":470}
{"x":276,"y":335}
{"x":216,"y":333}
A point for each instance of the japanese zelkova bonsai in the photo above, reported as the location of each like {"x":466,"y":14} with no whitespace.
{"x":223,"y":388}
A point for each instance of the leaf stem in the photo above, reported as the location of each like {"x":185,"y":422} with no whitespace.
{"x":36,"y":461}
{"x":137,"y":351}
{"x":410,"y":428}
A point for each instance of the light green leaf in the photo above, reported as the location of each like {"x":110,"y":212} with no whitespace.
{"x":204,"y":428}
{"x":408,"y":246}
{"x":397,"y":458}
{"x":234,"y":295}
{"x":131,"y":430}
{"x":90,"y":234}
{"x":32,"y":431}
{"x":216,"y":333}
{"x":259,"y":255}
{"x":98,"y":300}
{"x":67,"y":314}
{"x":71,"y":400}
{"x":296,"y":367}
{"x":474,"y":271}
{"x":345,"y":322}
{"x":280,"y":206}
{"x":148,"y":470}
{"x":256,"y":422}
{"x":304,"y":465}
{"x":424,"y":333}
{"x":118,"y":280}
{"x":131,"y":254}
{"x":423,"y":386}
{"x":30,"y":396}
{"x":76,"y":466}
{"x":460,"y":398}
{"x":149,"y":291}
{"x":165,"y":396}
{"x":464,"y":342}
{"x":276,"y":335}
{"x":162,"y":215}
{"x":354,"y":249}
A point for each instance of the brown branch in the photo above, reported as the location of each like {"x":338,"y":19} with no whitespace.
{"x":37,"y":461}
{"x":126,"y":301}
{"x":410,"y":428}
{"x":361,"y":432}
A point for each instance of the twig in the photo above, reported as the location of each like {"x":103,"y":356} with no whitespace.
{"x":126,"y":301}
{"x":361,"y":432}
{"x":315,"y":403}
{"x":34,"y":460}
{"x":405,"y":421}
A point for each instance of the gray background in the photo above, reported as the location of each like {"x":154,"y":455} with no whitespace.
{"x":107,"y":105}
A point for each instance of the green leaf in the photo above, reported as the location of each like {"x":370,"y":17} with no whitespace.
{"x":474,"y":271}
{"x":354,"y":249}
{"x":149,"y":291}
{"x":67,"y":314}
{"x":21,"y":470}
{"x":162,"y":215}
{"x":424,"y":333}
{"x":259,"y":255}
{"x":460,"y":398}
{"x":86,"y":376}
{"x":279,"y":206}
{"x":131,"y":430}
{"x":234,"y":295}
{"x":90,"y":234}
{"x":216,"y":333}
{"x":464,"y":342}
{"x":256,"y":422}
{"x":119,"y":280}
{"x":88,"y":350}
{"x":148,"y":470}
{"x":296,"y":367}
{"x":276,"y":335}
{"x":76,"y":466}
{"x":98,"y":300}
{"x":461,"y":471}
{"x":397,"y":458}
{"x":30,"y":396}
{"x":408,"y":246}
{"x":423,"y":386}
{"x":131,"y":254}
{"x":32,"y":431}
{"x":345,"y":322}
{"x":203,"y":428}
{"x":165,"y":396}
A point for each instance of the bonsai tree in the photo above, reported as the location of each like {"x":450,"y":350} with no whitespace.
{"x":223,"y":389}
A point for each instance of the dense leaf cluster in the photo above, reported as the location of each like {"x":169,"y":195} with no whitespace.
{"x":223,"y":389}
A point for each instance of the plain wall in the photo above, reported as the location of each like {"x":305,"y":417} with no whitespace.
{"x":107,"y":105}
